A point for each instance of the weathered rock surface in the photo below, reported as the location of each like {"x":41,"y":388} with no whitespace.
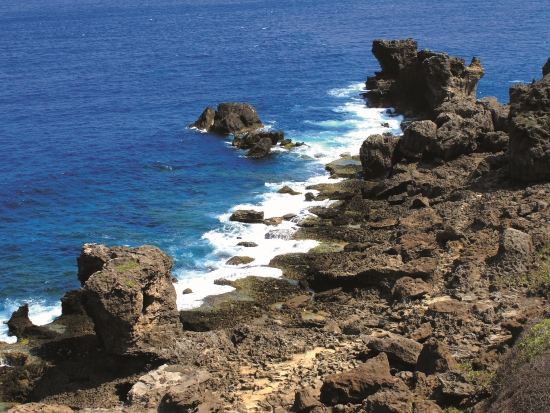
{"x":378,"y":156}
{"x":435,"y":358}
{"x":205,"y":120}
{"x":357,"y":384}
{"x":261,"y":149}
{"x":416,"y":138}
{"x":396,"y":347}
{"x":22,"y":327}
{"x":168,"y":387}
{"x":410,"y":288}
{"x":40,"y":408}
{"x":304,"y":402}
{"x":248,"y":216}
{"x":229,"y":118}
{"x":418,"y":81}
{"x":132,"y":301}
{"x":530,"y":131}
{"x":249,"y":140}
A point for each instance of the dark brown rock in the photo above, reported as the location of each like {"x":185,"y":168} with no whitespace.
{"x":248,"y":216}
{"x":132,"y":302}
{"x":422,"y":332}
{"x":378,"y":156}
{"x":416,"y":138}
{"x":418,"y":82}
{"x":454,"y":138}
{"x":239,"y":260}
{"x":390,"y":401}
{"x":495,"y":142}
{"x":498,"y":112}
{"x":22,"y":327}
{"x":71,"y":303}
{"x":235,"y":118}
{"x":396,"y":347}
{"x":426,"y":406}
{"x":410,"y":288}
{"x":304,"y":402}
{"x":435,"y":358}
{"x":357,"y":384}
{"x":205,"y":120}
{"x":288,"y":190}
{"x":530,"y":131}
{"x":251,"y":139}
{"x":261,"y":149}
{"x":247,"y":244}
{"x":546,"y":68}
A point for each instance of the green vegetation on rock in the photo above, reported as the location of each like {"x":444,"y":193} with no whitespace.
{"x":535,"y":342}
{"x":130,"y":266}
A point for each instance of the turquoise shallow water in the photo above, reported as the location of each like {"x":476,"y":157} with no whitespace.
{"x":96,"y":98}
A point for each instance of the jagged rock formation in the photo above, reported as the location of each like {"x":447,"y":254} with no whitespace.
{"x":131,"y":299}
{"x":230,"y":117}
{"x":530,"y":130}
{"x":418,"y":82}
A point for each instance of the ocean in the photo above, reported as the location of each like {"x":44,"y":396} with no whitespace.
{"x":96,"y":97}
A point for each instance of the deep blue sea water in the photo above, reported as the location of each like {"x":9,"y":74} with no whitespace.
{"x":96,"y":96}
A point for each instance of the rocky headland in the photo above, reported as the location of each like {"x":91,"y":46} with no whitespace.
{"x":429,"y":290}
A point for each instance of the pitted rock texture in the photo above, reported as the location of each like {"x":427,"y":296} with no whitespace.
{"x":413,"y":81}
{"x":132,"y":301}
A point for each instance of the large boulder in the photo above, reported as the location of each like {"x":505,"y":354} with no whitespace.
{"x":396,"y":347}
{"x":378,"y":155}
{"x":205,"y":120}
{"x":357,"y":384}
{"x":416,"y":138}
{"x":435,"y":358}
{"x":252,"y":138}
{"x":248,"y":216}
{"x":132,"y":301}
{"x":454,"y":138}
{"x":229,"y":118}
{"x":530,"y":131}
{"x":418,"y":81}
{"x":261,"y":149}
{"x":235,"y":118}
{"x":499,"y":113}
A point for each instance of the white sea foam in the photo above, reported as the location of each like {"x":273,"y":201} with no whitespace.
{"x":39,"y":314}
{"x":336,"y":136}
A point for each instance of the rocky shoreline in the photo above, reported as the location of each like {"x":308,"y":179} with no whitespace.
{"x":429,"y":290}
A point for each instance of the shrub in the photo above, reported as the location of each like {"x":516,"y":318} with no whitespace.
{"x":521,"y":383}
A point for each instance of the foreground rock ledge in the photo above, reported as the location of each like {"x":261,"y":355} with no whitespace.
{"x":131,"y":299}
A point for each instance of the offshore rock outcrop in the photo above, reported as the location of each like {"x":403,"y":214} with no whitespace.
{"x":131,"y":299}
{"x":230,"y":118}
